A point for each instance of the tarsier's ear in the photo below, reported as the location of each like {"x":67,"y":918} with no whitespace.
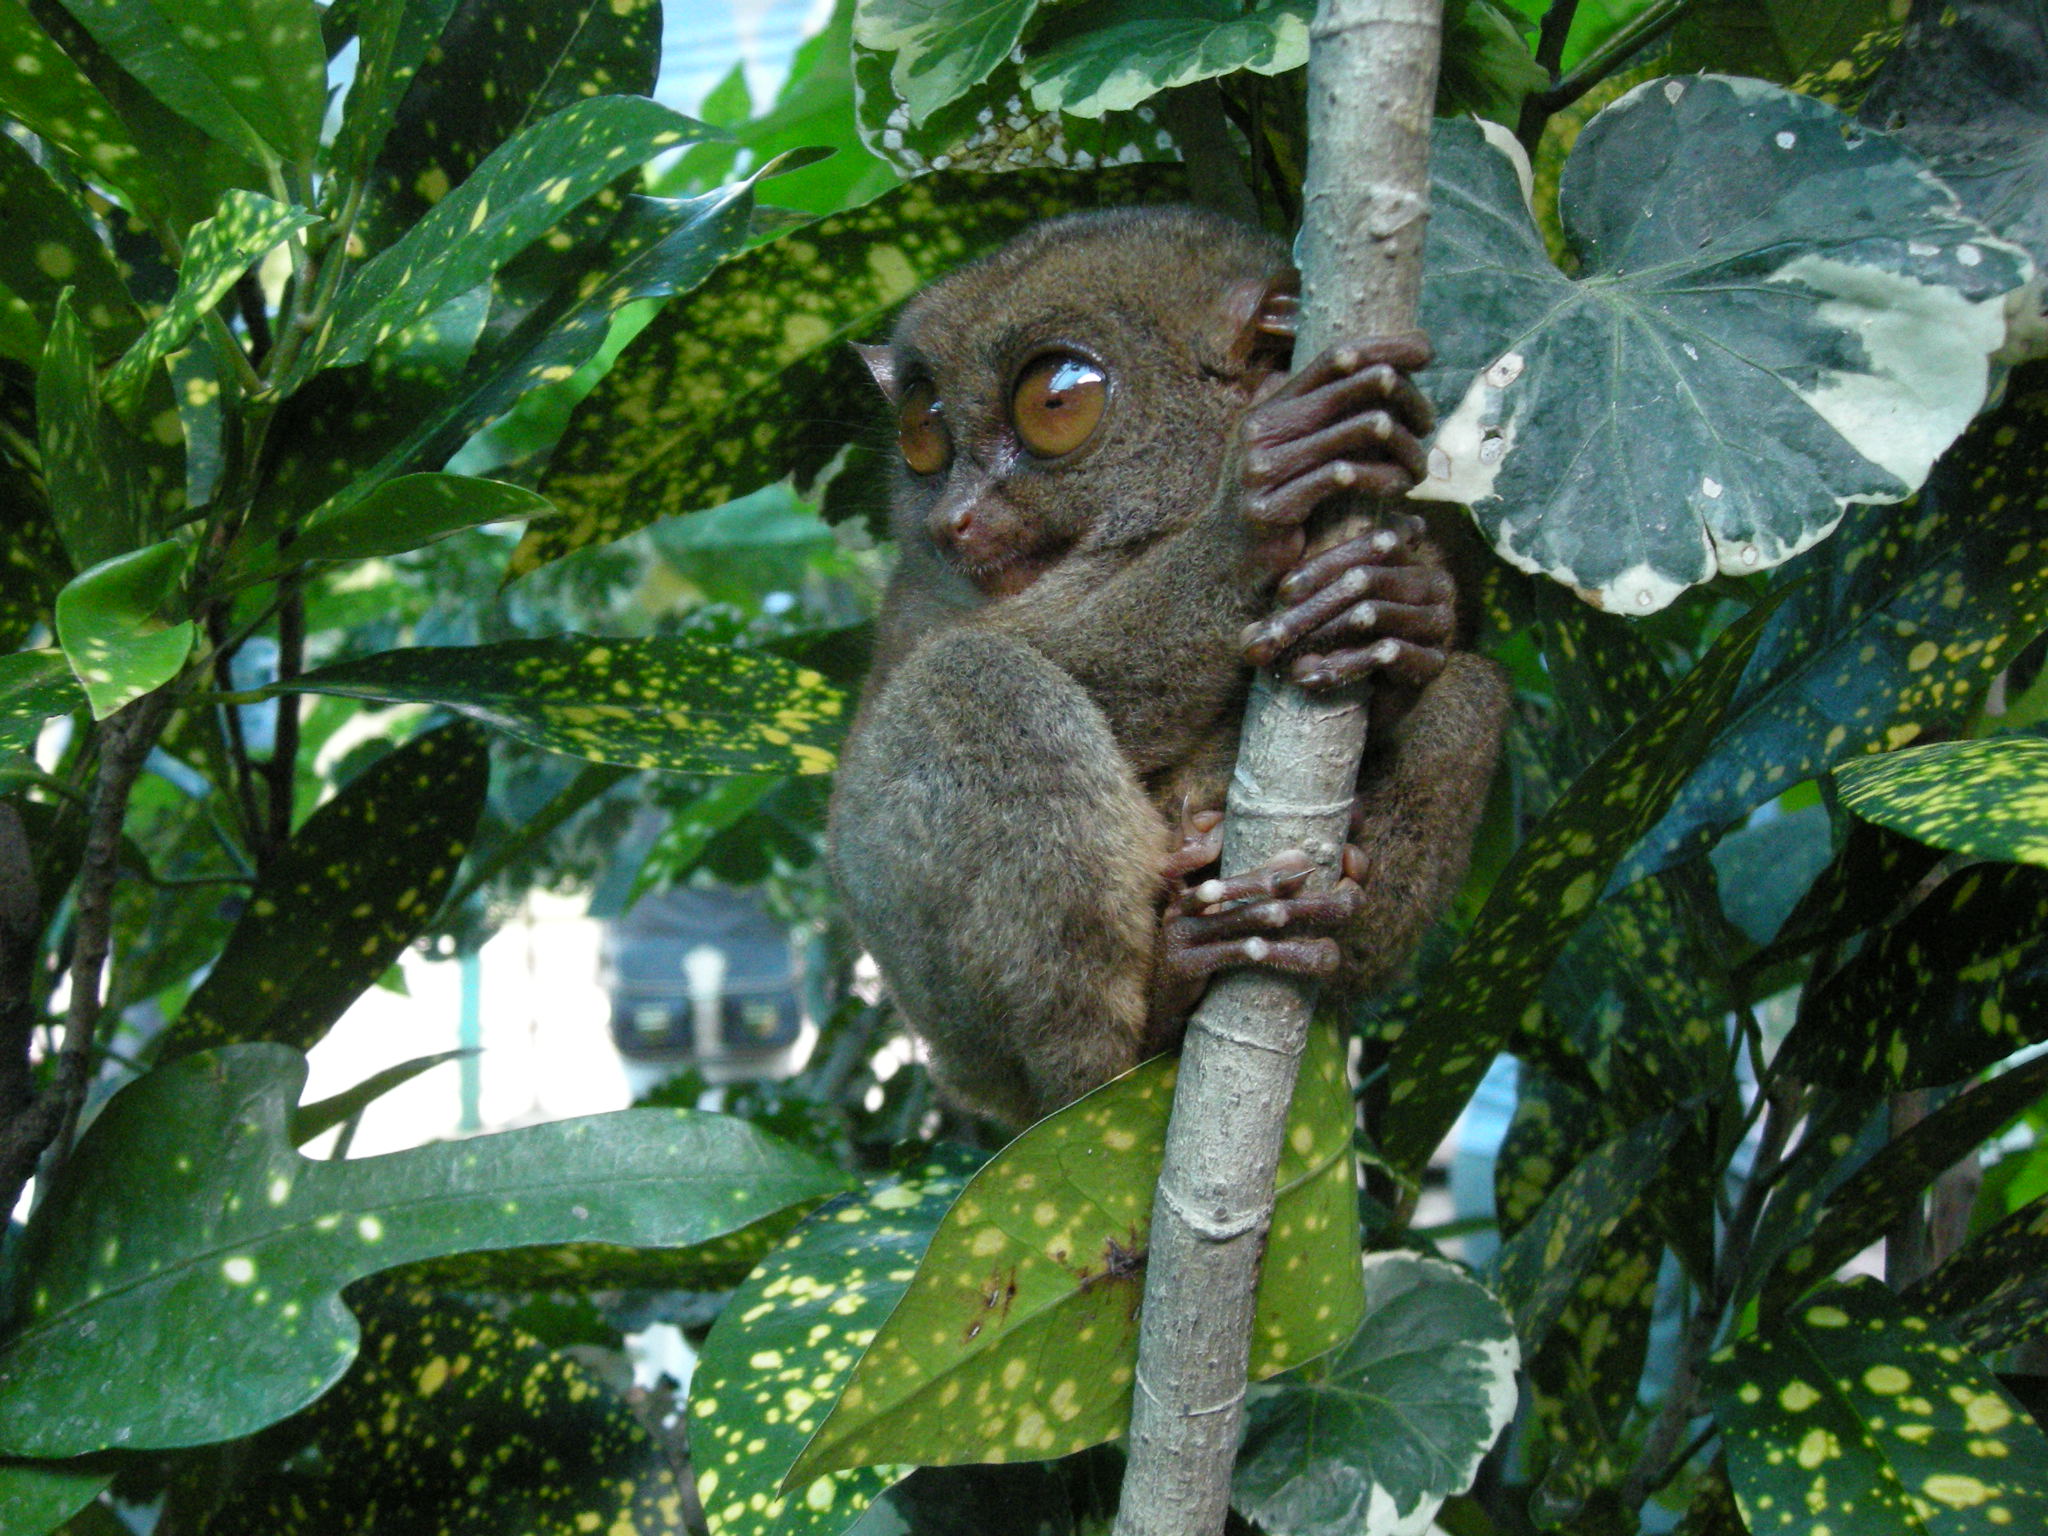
{"x":1258,"y":324}
{"x":881,"y":360}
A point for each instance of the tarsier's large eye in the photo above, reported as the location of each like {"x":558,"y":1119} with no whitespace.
{"x":1057,"y":403}
{"x":921,"y":430}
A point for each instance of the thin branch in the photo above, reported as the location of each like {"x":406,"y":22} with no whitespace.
{"x":126,"y":739}
{"x":1372,"y":78}
{"x":1550,"y":41}
{"x":1596,"y":66}
{"x":281,"y":773}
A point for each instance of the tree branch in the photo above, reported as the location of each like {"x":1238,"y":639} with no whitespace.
{"x":1372,"y":79}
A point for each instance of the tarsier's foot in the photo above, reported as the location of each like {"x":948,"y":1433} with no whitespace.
{"x":1350,"y":420}
{"x":1369,"y":607}
{"x":1262,"y":917}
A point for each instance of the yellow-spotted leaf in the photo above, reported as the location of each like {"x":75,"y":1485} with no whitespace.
{"x":1545,"y":893}
{"x":1541,"y":1265}
{"x":786,"y":1341}
{"x":354,"y":886}
{"x":1984,"y":799}
{"x":1993,"y":1291}
{"x":185,"y":1218}
{"x":1860,"y":1407}
{"x":1957,"y":983}
{"x":399,"y":515}
{"x":111,"y":621}
{"x":217,"y":252}
{"x":394,"y":36}
{"x":1866,"y":1201}
{"x":750,"y":377}
{"x":251,"y":73}
{"x":40,"y":86}
{"x":526,"y":186}
{"x":52,"y":248}
{"x":34,"y":685}
{"x":1018,"y":1339}
{"x":39,"y":1496}
{"x":454,"y":1420}
{"x":684,"y":702}
{"x":1898,"y":624}
{"x":98,"y":498}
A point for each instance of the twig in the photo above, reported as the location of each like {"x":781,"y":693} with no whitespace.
{"x":1550,"y":41}
{"x":1604,"y":60}
{"x":281,"y":772}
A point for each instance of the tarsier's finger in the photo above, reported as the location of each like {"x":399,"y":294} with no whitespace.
{"x":1291,"y":412}
{"x":1279,"y":875}
{"x":1410,"y":602}
{"x":1393,"y":546}
{"x":1279,"y":315}
{"x":1296,"y":957}
{"x":1400,"y":661}
{"x":1293,"y":502}
{"x":1427,"y":626}
{"x":1325,"y":909}
{"x":1367,"y":437}
{"x":1404,"y":350}
{"x":1201,"y":844}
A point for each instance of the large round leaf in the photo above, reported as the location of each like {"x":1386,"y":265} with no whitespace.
{"x":1396,"y":1422}
{"x":1776,"y":315}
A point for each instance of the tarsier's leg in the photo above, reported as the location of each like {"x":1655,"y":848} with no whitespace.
{"x":1003,"y":865}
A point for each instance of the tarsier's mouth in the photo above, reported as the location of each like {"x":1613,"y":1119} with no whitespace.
{"x":1008,"y":576}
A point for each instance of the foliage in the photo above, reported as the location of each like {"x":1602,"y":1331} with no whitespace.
{"x":385,"y":492}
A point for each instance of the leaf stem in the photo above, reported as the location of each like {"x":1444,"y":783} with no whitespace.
{"x":1610,"y":55}
{"x":1550,"y":41}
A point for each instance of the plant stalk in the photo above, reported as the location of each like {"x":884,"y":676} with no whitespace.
{"x":1372,"y":82}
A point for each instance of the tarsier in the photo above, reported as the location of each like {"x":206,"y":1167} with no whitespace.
{"x":1104,"y":480}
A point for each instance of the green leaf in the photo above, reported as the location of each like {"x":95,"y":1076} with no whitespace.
{"x":1016,"y":1340}
{"x":395,"y":36}
{"x":217,"y":252}
{"x":655,"y":248}
{"x":95,"y":487}
{"x":53,"y":248}
{"x":184,"y":1218}
{"x":1983,"y":799}
{"x":1959,"y":982}
{"x":1773,"y":39}
{"x":683,"y":702}
{"x":252,"y":73}
{"x":1799,"y":317}
{"x":108,"y":623}
{"x":456,"y":1421}
{"x":942,"y":48}
{"x":994,"y":128}
{"x":750,"y":377}
{"x":1548,"y":889}
{"x":1902,"y":620}
{"x":40,"y":86}
{"x":1875,"y":871}
{"x":397,"y":516}
{"x":39,"y":1496}
{"x":786,"y":1341}
{"x":1965,"y":91}
{"x":357,"y":883}
{"x":34,"y":686}
{"x":690,"y":831}
{"x":1859,"y":1403}
{"x":515,"y":196}
{"x":1392,"y":1424}
{"x":1110,"y":55}
{"x":1541,"y":1264}
{"x":496,"y":68}
{"x":1869,"y":1200}
{"x":1994,"y":1289}
{"x":310,"y":1120}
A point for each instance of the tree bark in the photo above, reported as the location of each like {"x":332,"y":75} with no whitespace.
{"x":1372,"y":82}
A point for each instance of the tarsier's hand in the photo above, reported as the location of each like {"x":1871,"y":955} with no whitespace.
{"x":1376,"y":606}
{"x":1262,"y":917}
